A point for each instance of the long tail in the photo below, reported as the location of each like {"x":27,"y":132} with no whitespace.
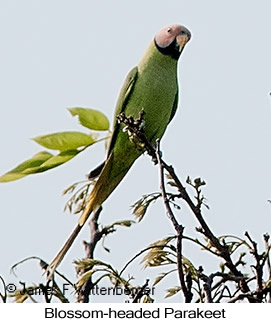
{"x":61,"y":254}
{"x":59,"y":257}
{"x":109,"y":178}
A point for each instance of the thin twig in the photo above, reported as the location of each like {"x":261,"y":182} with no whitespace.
{"x":267,"y":248}
{"x":258,"y":266}
{"x":95,"y":236}
{"x":179,"y":228}
{"x":163,"y":189}
{"x":249,"y":296}
{"x":133,"y":126}
{"x":140,"y":253}
{"x":141,"y":292}
{"x":3,"y":297}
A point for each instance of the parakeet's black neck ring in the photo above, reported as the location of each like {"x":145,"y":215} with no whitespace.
{"x":172,"y":50}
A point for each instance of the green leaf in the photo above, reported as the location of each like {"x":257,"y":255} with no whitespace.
{"x":125,"y":223}
{"x":268,"y":284}
{"x":84,"y":278}
{"x":52,"y":162}
{"x":172,"y":291}
{"x":9,"y":177}
{"x":38,"y":163}
{"x":63,"y":141}
{"x":157,"y":255}
{"x":90,"y":118}
{"x":86,"y":264}
{"x":159,"y":278}
{"x":140,"y":207}
{"x":18,"y":172}
{"x":19,"y":296}
{"x":140,"y":210}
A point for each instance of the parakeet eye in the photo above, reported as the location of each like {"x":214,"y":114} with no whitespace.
{"x":169,"y":30}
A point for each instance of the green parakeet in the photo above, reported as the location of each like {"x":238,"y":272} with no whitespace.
{"x":152,"y":86}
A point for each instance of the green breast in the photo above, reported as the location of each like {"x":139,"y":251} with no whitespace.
{"x":154,"y":91}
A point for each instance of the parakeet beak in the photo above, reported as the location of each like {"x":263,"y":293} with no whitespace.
{"x":181,"y":40}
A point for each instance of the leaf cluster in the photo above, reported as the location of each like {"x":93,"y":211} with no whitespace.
{"x":68,"y":144}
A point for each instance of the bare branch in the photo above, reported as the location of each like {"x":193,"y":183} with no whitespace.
{"x":141,"y":292}
{"x":140,"y":253}
{"x":135,"y":130}
{"x":179,"y":229}
{"x":96,"y":235}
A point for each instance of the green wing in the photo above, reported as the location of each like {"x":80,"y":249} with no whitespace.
{"x":125,"y":93}
{"x":175,"y":106}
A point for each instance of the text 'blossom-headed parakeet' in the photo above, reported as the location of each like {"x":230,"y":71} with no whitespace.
{"x":151,"y":86}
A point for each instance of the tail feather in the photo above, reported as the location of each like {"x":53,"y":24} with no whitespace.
{"x":96,"y":172}
{"x":59,"y":257}
{"x":61,"y":254}
{"x":111,"y":175}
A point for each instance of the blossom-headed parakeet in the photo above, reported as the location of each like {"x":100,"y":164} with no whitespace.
{"x":151,"y":86}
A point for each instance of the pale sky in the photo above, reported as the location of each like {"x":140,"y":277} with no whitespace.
{"x":59,"y":54}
